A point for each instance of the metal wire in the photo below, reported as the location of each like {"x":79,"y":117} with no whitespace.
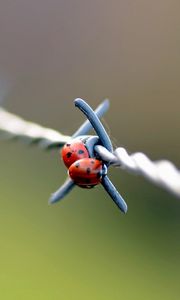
{"x":14,"y":127}
{"x":162,"y":173}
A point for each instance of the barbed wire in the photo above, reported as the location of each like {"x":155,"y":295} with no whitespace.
{"x":162,"y":173}
{"x":14,"y":127}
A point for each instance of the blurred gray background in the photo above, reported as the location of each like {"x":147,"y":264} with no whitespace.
{"x":50,"y":53}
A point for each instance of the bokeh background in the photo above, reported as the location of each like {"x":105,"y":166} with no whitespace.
{"x":83,"y":248}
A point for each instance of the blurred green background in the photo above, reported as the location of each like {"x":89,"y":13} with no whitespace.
{"x":83,"y":248}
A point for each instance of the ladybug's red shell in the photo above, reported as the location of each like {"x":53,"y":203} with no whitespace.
{"x":86,"y":172}
{"x":73,"y":151}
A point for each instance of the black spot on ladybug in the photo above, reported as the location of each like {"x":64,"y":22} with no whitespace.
{"x":88,"y":170}
{"x":92,"y":162}
{"x":77,"y":165}
{"x":68,"y":154}
{"x":80,"y":151}
{"x":68,"y":145}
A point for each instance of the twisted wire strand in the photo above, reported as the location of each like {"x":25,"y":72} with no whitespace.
{"x":162,"y":172}
{"x":14,"y":127}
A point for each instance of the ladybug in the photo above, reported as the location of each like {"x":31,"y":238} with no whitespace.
{"x":73,"y":151}
{"x":87,"y":172}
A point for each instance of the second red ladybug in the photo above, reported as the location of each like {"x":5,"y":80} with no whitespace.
{"x":87,"y":172}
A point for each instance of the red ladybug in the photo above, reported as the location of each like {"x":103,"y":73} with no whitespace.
{"x":87,"y":172}
{"x":73,"y":151}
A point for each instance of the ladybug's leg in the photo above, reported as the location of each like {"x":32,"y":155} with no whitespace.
{"x":95,"y":122}
{"x":114,"y":194}
{"x":87,"y":125}
{"x":62,"y":191}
